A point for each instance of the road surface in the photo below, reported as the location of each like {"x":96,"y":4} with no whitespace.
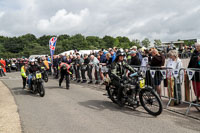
{"x":84,"y":109}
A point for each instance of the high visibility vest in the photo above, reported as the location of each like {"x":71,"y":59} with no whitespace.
{"x":46,"y":64}
{"x":23,"y":72}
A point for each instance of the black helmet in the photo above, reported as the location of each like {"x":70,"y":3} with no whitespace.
{"x":64,"y":66}
{"x":39,"y":59}
{"x":120,"y":53}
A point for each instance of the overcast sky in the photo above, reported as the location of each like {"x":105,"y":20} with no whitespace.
{"x":155,"y":19}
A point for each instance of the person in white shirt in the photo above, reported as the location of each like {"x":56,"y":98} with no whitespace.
{"x":174,"y":78}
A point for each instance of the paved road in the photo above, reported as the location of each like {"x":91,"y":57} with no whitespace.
{"x":86,"y":110}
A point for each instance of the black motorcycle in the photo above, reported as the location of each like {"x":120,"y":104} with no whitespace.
{"x":45,"y":76}
{"x":37,"y":84}
{"x":8,"y":68}
{"x":135,"y":93}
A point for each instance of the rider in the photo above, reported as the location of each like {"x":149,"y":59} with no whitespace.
{"x":42,"y":65}
{"x":117,"y":71}
{"x":64,"y":71}
{"x":33,"y":67}
{"x":24,"y":74}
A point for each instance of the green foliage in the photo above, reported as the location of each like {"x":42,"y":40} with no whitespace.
{"x":189,"y":42}
{"x":146,"y":42}
{"x":28,"y":44}
{"x":157,"y":42}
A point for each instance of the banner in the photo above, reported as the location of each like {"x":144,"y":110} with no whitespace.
{"x":152,"y":73}
{"x":163,"y":72}
{"x":175,"y":72}
{"x":190,"y":73}
{"x":52,"y":46}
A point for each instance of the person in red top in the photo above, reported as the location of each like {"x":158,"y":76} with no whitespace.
{"x":64,"y":72}
{"x":4,"y":64}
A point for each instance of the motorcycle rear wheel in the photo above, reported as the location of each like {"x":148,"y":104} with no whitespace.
{"x":112,"y":93}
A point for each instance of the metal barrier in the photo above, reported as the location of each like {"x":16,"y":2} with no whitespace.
{"x":191,"y":89}
{"x":174,"y":84}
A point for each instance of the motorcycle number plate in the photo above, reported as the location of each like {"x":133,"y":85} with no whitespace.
{"x":38,"y":76}
{"x":142,"y":83}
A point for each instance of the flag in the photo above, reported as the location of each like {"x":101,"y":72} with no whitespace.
{"x":190,"y":73}
{"x":175,"y":72}
{"x":52,"y":46}
{"x":152,"y":73}
{"x":163,"y":72}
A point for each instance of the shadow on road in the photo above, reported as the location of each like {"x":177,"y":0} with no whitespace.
{"x":20,"y":91}
{"x":103,"y":105}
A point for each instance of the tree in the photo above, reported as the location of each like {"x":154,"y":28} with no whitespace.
{"x":109,"y":41}
{"x":157,"y":42}
{"x":146,"y":42}
{"x":135,"y":43}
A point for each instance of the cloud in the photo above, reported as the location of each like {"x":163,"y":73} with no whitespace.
{"x":63,"y":22}
{"x":2,"y":14}
{"x":154,"y":19}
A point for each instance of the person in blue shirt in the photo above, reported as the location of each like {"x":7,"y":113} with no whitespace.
{"x":113,"y":55}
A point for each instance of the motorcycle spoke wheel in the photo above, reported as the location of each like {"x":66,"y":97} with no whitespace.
{"x":151,"y":102}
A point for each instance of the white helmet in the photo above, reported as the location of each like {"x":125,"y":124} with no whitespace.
{"x":32,"y":60}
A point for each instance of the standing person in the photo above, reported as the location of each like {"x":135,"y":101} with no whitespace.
{"x":95,"y":63}
{"x":102,"y":61}
{"x":139,"y":55}
{"x":135,"y":61}
{"x":1,"y":69}
{"x":156,"y":63}
{"x":107,"y":67}
{"x":113,"y":55}
{"x":174,"y":83}
{"x":84,"y":68}
{"x":3,"y":66}
{"x":55,"y":66}
{"x":24,"y":74}
{"x":64,"y":73}
{"x":79,"y":62}
{"x":195,"y":63}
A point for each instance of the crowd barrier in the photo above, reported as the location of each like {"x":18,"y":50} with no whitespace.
{"x":178,"y":86}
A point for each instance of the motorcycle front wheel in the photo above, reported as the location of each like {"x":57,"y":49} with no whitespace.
{"x":150,"y":101}
{"x":41,"y":90}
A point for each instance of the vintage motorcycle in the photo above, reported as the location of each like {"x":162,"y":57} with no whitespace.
{"x":135,"y":93}
{"x":37,"y":84}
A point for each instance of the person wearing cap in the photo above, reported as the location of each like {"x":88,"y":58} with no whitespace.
{"x":134,"y":48}
{"x":135,"y":61}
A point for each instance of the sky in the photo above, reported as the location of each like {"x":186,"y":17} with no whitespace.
{"x":167,"y":20}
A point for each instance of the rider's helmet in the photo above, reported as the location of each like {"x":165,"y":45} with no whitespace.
{"x":120,"y":53}
{"x":31,"y":61}
{"x":39,"y":60}
{"x":64,"y":66}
